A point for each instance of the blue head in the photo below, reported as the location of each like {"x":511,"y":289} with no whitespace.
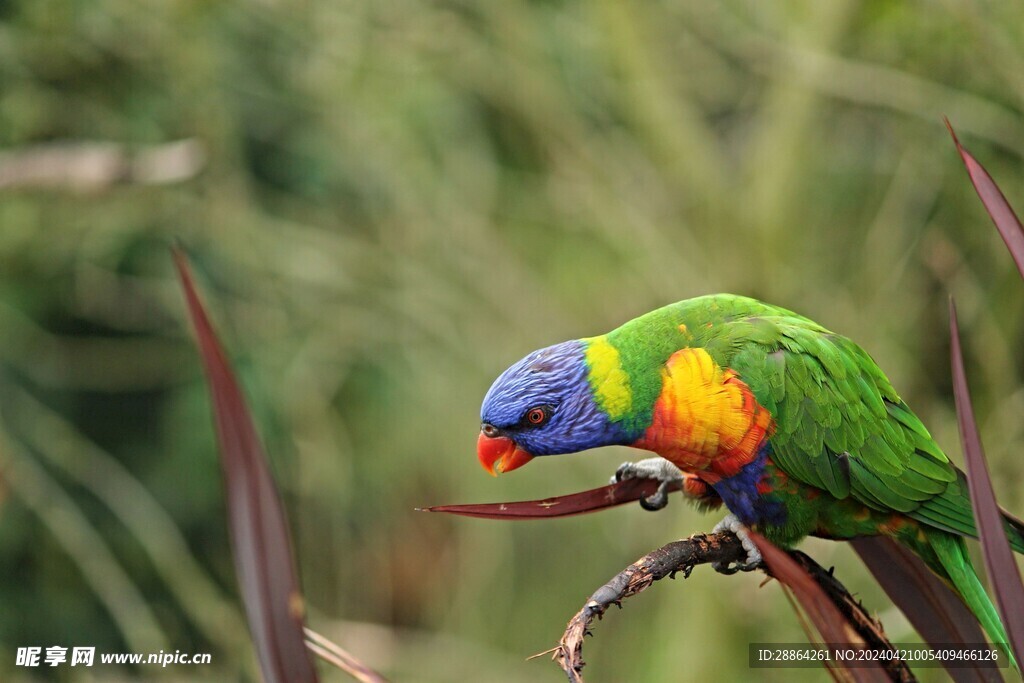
{"x":542,"y":405}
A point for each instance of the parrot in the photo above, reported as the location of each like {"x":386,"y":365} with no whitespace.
{"x":794,"y":429}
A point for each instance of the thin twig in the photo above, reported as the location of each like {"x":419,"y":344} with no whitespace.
{"x":665,"y":561}
{"x":331,"y":652}
{"x":683,"y":556}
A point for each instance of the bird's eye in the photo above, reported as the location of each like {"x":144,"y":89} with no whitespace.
{"x":536,"y":416}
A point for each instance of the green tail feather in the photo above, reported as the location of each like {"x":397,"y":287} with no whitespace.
{"x":951,"y":510}
{"x":951,"y":552}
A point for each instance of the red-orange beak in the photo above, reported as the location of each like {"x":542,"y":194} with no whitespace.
{"x":499,"y":454}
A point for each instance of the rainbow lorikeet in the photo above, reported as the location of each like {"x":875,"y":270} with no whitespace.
{"x":792,"y":427}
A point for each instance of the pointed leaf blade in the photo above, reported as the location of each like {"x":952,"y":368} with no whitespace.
{"x":999,"y":561}
{"x":998,"y":208}
{"x":559,"y":506}
{"x":260,"y":539}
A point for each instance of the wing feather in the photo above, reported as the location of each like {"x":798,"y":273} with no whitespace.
{"x":829,"y":397}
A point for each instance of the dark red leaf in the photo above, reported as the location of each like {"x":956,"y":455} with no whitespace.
{"x":826,"y":617}
{"x":260,"y":540}
{"x":559,"y":506}
{"x":998,"y":208}
{"x":937,"y":613}
{"x":999,"y":561}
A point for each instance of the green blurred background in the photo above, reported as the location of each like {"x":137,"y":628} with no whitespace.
{"x":386,"y":203}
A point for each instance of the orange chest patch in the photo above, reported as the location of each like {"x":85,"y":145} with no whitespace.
{"x":706,"y":419}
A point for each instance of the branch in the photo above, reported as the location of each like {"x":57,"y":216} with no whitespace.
{"x":683,"y":556}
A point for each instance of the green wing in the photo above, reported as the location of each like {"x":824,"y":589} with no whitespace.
{"x":840,"y":425}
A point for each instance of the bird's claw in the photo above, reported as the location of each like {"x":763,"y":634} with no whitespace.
{"x":729,"y":568}
{"x":656,"y":500}
{"x":658,"y":469}
{"x":753,"y":559}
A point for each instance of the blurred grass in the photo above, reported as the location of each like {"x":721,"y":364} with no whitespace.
{"x":398,"y":200}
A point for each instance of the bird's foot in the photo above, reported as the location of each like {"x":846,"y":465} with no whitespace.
{"x":753,"y":561}
{"x":658,"y":469}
